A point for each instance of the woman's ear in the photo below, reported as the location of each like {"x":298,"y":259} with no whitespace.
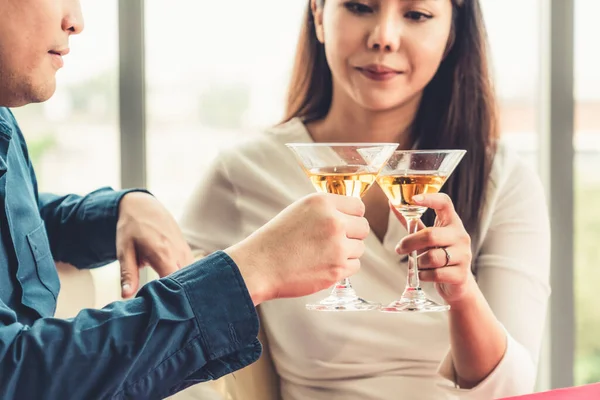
{"x":317,"y":12}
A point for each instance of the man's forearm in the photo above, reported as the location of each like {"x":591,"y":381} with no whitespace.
{"x":82,"y":229}
{"x":195,"y":325}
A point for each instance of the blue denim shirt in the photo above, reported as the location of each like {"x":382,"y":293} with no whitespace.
{"x":198,"y":324}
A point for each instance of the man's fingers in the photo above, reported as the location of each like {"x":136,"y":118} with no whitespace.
{"x":352,"y":266}
{"x":356,"y":227}
{"x":356,"y":248}
{"x":130,"y":275}
{"x":349,"y":205}
{"x":161,"y":261}
{"x":186,"y":257}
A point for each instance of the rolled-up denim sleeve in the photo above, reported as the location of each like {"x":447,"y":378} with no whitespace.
{"x":82,"y":229}
{"x":195,"y":325}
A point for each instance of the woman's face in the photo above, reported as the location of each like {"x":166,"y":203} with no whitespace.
{"x":382,"y":53}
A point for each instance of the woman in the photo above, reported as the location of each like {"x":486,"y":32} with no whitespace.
{"x":415,"y":73}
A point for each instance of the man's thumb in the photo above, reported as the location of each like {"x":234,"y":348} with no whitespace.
{"x":130,"y":274}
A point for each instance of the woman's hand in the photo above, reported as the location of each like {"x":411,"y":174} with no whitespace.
{"x":445,"y":249}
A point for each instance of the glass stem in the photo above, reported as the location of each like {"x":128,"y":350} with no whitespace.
{"x":412,"y":279}
{"x":343,"y":285}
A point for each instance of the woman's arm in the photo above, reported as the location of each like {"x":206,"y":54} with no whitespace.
{"x":513,"y":269}
{"x":497,"y":317}
{"x":477,"y":339}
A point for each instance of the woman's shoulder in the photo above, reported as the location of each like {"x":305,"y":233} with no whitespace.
{"x":263,"y":152}
{"x":510,"y":167}
{"x":271,"y":139}
{"x":514,"y":189}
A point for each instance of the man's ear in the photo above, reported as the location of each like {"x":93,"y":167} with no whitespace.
{"x":317,"y":12}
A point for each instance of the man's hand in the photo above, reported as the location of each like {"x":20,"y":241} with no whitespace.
{"x":147,"y":235}
{"x":309,"y":246}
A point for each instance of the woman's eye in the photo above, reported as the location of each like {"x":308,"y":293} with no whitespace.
{"x":417,"y":16}
{"x":357,"y":8}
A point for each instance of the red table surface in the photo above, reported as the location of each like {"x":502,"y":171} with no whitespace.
{"x":586,"y":392}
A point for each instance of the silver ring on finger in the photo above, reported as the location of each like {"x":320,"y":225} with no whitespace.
{"x":447,"y":257}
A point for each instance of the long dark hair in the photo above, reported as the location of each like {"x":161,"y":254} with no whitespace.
{"x":457,"y":111}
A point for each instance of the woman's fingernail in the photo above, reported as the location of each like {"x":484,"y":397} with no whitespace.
{"x":418,"y":198}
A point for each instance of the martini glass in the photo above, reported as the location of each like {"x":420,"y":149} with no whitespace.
{"x":346,"y":169}
{"x":409,"y":173}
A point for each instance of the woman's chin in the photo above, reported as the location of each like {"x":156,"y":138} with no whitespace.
{"x":382,"y":106}
{"x":380,"y":102}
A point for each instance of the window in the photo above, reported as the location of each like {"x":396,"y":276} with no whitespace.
{"x":216,"y":72}
{"x":515,"y":55}
{"x":587,"y":193}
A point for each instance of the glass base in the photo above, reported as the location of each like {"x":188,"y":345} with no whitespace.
{"x":414,"y":300}
{"x":410,"y":305}
{"x":338,"y":303}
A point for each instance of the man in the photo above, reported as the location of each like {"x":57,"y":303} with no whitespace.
{"x":196,"y":324}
